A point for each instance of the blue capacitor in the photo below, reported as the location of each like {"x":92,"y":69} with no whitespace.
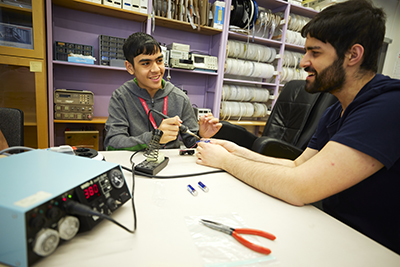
{"x":191,"y":190}
{"x":203,"y":186}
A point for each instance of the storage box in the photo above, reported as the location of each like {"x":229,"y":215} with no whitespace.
{"x":63,"y":49}
{"x":110,"y":48}
{"x":88,"y":139}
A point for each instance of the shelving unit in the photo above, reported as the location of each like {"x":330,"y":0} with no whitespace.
{"x":79,"y":21}
{"x":23,"y":72}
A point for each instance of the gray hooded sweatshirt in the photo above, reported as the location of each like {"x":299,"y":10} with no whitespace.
{"x":128,"y":126}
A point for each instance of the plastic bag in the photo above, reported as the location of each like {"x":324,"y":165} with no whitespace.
{"x":219,"y":249}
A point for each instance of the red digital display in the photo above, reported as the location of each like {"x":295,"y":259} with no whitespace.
{"x":91,"y":192}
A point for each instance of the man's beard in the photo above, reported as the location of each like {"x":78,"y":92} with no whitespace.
{"x":330,"y":79}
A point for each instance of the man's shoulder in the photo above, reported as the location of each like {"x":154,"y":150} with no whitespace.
{"x":383,"y":83}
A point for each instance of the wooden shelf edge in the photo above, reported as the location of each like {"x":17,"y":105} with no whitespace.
{"x":248,"y":123}
{"x":95,"y":120}
{"x":16,"y":8}
{"x":66,"y":63}
{"x":249,"y":82}
{"x":260,"y":40}
{"x":185,"y":26}
{"x":102,"y":9}
{"x":30,"y":124}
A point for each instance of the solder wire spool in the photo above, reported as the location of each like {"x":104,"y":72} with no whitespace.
{"x":260,"y":110}
{"x":291,"y":59}
{"x":242,"y":109}
{"x":253,"y":69}
{"x":236,"y":12}
{"x":244,"y":93}
{"x":228,"y":65}
{"x":288,"y":74}
{"x":225,"y":94}
{"x":233,"y":92}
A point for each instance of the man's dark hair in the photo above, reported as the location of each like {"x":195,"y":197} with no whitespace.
{"x":346,"y":24}
{"x":140,"y":43}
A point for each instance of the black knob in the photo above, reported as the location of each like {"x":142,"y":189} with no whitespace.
{"x":53,"y":213}
{"x":37,"y":221}
{"x":111,"y":204}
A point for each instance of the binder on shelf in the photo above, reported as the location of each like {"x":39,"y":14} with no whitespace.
{"x":143,"y":6}
{"x":169,"y":10}
{"x":127,"y":4}
{"x":117,"y":3}
{"x":135,"y":5}
{"x":203,"y":12}
{"x":218,"y":11}
{"x":108,"y":3}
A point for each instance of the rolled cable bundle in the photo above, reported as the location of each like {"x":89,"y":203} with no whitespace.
{"x":244,"y":93}
{"x":259,"y":110}
{"x":261,"y":95}
{"x":226,"y":92}
{"x":242,"y":109}
{"x":250,"y":51}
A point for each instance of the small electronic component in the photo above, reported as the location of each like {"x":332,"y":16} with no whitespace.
{"x":203,"y":186}
{"x":189,"y":152}
{"x":191,"y":190}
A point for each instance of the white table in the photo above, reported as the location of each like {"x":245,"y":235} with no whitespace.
{"x":305,"y":235}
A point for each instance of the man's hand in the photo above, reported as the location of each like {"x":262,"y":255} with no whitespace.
{"x":208,"y":125}
{"x":228,"y":145}
{"x":212,"y":155}
{"x":170,"y":128}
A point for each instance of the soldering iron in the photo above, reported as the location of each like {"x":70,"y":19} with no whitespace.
{"x":182,"y":128}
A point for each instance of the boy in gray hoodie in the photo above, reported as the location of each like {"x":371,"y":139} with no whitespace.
{"x":128,"y":123}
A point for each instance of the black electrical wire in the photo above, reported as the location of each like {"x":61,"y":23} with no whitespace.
{"x":75,"y":208}
{"x":163,"y":177}
{"x":169,"y":177}
{"x":133,"y":194}
{"x":13,"y":148}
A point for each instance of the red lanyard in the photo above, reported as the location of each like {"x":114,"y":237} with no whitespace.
{"x":146,"y":108}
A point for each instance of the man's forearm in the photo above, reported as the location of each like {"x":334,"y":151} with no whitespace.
{"x":251,"y":155}
{"x":274,"y":179}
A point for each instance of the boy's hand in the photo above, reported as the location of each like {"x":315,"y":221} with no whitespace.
{"x":170,"y":128}
{"x":208,"y":125}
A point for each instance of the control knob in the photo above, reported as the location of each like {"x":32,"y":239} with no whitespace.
{"x":46,"y":242}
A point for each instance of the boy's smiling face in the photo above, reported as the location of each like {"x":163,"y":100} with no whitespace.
{"x":148,"y":70}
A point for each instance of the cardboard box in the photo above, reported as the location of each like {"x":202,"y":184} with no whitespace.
{"x":218,"y":11}
{"x":88,"y":139}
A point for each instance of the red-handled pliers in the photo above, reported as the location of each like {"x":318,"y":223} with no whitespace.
{"x":235,"y":232}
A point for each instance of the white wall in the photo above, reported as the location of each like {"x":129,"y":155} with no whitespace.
{"x":392,"y":9}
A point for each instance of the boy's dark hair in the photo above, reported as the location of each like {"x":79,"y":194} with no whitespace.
{"x":346,"y":24}
{"x":140,"y":43}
